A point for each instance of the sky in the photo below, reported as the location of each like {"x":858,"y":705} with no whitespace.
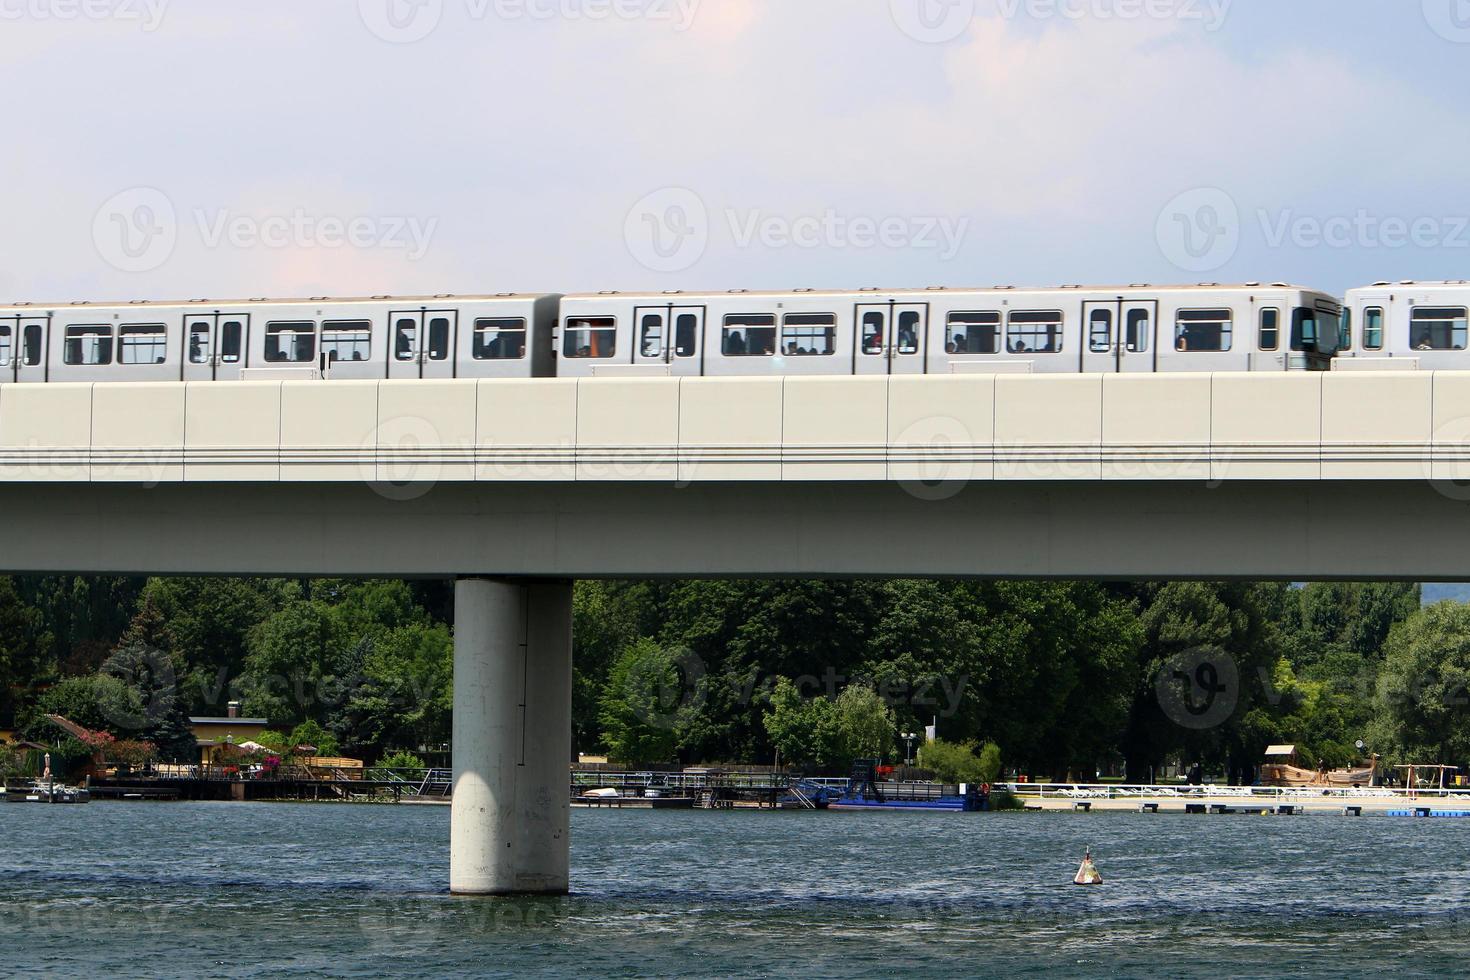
{"x":241,"y":148}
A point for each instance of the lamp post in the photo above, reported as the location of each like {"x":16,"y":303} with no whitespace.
{"x":908,"y":747}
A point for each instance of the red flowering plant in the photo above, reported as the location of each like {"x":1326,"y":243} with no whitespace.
{"x":134,"y":754}
{"x":98,"y":741}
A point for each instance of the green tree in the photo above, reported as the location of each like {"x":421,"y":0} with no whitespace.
{"x":804,"y":731}
{"x":1424,"y":694}
{"x":644,"y":704}
{"x":150,"y":673}
{"x":867,"y":724}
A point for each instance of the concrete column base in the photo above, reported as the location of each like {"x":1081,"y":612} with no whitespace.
{"x":510,"y":820}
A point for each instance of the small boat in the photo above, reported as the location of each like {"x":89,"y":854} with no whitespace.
{"x":1087,"y":873}
{"x":41,"y":792}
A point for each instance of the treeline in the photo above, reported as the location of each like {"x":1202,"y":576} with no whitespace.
{"x":1066,"y":678}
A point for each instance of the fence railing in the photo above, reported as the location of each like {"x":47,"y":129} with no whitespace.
{"x":1119,"y":791}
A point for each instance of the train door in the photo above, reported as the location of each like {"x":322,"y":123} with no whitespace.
{"x":215,"y":345}
{"x":890,"y":338}
{"x":28,"y":355}
{"x":669,"y":335}
{"x":9,"y":353}
{"x":1118,"y":336}
{"x":422,"y":343}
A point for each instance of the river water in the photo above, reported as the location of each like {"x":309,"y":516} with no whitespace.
{"x":220,"y":889}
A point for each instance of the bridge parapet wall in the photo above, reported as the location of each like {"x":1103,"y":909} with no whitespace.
{"x":1211,"y":427}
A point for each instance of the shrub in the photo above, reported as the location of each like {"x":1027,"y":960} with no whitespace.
{"x":402,"y":759}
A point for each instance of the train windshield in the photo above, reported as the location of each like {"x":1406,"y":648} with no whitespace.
{"x":1316,"y":331}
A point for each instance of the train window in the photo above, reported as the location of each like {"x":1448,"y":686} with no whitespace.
{"x":439,"y":338}
{"x":1270,"y":332}
{"x":1137,"y":333}
{"x":290,"y":342}
{"x":141,"y":343}
{"x":908,"y":332}
{"x":591,"y":336}
{"x":972,"y":333}
{"x":651,"y":335}
{"x":31,"y":344}
{"x":347,"y":340}
{"x":686,"y":334}
{"x":231,"y":341}
{"x":5,"y":343}
{"x":87,"y":344}
{"x":1373,"y":328}
{"x":1438,"y":328}
{"x":499,"y":339}
{"x":1100,"y":332}
{"x":1035,"y":332}
{"x":200,"y":339}
{"x":872,"y":339}
{"x":749,"y":335}
{"x":808,"y":334}
{"x":1204,"y":330}
{"x":1314,"y":330}
{"x":1345,"y":330}
{"x":406,"y":338}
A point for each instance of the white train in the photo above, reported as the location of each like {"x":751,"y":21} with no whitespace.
{"x":1407,"y":326}
{"x":1253,"y":327}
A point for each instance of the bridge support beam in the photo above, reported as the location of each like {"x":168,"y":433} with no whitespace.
{"x":509,"y":823}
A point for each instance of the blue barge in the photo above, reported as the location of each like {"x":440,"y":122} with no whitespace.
{"x":864,"y":792}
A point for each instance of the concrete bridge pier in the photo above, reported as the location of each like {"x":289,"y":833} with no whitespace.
{"x":510,"y":819}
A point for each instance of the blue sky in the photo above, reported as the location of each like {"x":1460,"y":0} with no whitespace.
{"x":181,"y":148}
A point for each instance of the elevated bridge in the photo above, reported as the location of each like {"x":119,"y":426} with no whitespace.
{"x":516,"y":487}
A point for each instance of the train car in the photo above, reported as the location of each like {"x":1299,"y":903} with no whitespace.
{"x":503,"y":336}
{"x":1407,"y":326}
{"x":1069,"y":329}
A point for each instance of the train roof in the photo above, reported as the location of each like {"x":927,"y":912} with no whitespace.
{"x":282,"y":301}
{"x":667,"y":295}
{"x":1448,"y":285}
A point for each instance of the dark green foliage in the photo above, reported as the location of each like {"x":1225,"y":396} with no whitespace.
{"x":1064,"y":677}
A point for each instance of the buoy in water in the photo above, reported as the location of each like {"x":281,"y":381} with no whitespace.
{"x":1087,"y":874}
